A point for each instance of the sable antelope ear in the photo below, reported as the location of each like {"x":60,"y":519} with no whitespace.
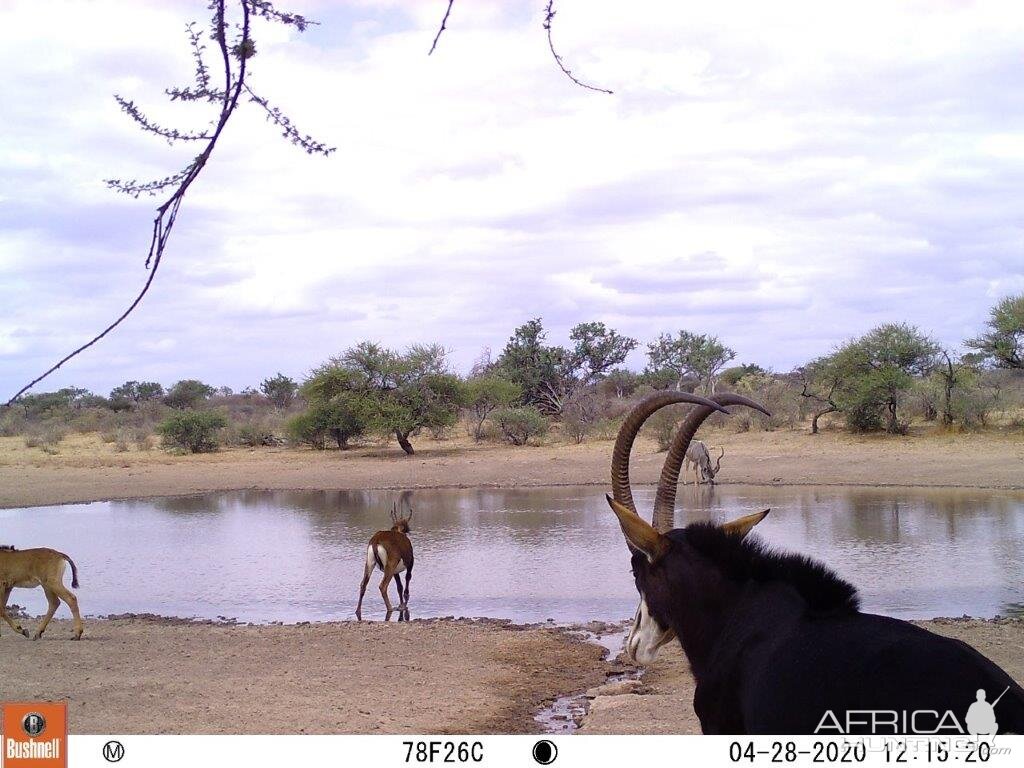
{"x":638,"y":532}
{"x":742,"y":525}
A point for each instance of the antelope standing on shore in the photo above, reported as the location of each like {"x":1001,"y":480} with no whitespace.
{"x":777,"y":642}
{"x":27,"y":568}
{"x":699,"y":458}
{"x":391,"y":551}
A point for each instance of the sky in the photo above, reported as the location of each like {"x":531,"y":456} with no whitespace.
{"x":783,"y":175}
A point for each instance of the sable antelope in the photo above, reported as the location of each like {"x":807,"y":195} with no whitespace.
{"x":44,"y":568}
{"x":391,"y":551}
{"x":777,"y":642}
{"x":699,"y":458}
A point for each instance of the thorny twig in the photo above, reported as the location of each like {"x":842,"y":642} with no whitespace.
{"x":444,"y":26}
{"x":549,"y":14}
{"x":234,"y":83}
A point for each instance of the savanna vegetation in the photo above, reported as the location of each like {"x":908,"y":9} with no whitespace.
{"x":892,"y":379}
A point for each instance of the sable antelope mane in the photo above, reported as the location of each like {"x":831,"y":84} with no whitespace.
{"x":742,"y":559}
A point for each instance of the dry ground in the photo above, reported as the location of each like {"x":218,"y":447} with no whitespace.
{"x":166,"y":676}
{"x":86,"y":469}
{"x":666,"y":705}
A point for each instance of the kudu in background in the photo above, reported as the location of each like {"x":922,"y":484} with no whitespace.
{"x":699,"y":458}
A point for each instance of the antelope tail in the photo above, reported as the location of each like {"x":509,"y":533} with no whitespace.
{"x":74,"y":570}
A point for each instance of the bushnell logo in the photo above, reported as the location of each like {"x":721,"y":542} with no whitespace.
{"x":35,"y":734}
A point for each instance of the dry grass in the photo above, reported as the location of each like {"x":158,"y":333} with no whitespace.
{"x":87,"y":469}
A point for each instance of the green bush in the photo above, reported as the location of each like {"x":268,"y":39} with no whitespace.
{"x":863,"y":416}
{"x":188,"y":393}
{"x":519,"y":425}
{"x":254,"y":435}
{"x":341,"y":419}
{"x":194,"y":431}
{"x":307,"y":429}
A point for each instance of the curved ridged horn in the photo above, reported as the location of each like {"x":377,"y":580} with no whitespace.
{"x":718,"y":463}
{"x":665,"y":501}
{"x":635,"y":419}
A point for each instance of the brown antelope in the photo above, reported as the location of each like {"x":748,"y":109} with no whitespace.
{"x":391,"y":551}
{"x":27,"y":568}
{"x":698,"y":456}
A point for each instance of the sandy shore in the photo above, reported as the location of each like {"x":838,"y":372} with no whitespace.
{"x":662,"y":701}
{"x":165,"y":676}
{"x":87,"y":469}
{"x":145,"y":675}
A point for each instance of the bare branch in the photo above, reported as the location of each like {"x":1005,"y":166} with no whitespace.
{"x":444,"y":23}
{"x":549,"y":16}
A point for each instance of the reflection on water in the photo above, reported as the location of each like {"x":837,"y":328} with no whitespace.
{"x":528,"y":554}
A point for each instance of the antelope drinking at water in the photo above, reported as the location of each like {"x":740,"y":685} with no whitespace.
{"x":699,"y":458}
{"x":391,"y":551}
{"x":44,"y":568}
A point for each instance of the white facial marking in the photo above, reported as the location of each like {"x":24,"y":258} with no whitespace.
{"x":646,"y":636}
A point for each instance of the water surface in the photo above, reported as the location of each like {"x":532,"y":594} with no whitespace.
{"x":528,"y":554}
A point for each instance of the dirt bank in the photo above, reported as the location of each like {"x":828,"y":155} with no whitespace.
{"x":86,"y":469}
{"x":666,"y":704}
{"x":166,"y":676}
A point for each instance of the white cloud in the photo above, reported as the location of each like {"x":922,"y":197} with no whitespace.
{"x":783,"y":175}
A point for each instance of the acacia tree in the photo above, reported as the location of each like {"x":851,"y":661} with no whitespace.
{"x":821,"y":380}
{"x":232,"y":34}
{"x":1003,"y":343}
{"x":402,"y":393}
{"x":188,"y":393}
{"x":955,"y":377}
{"x":550,"y":376}
{"x":486,"y":394}
{"x":877,"y":370}
{"x":698,"y":355}
{"x":280,"y":390}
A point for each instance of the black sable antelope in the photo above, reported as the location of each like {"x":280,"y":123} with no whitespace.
{"x":391,"y":551}
{"x":777,"y":642}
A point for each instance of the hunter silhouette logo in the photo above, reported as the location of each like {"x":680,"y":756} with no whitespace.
{"x":35,"y":734}
{"x":981,"y":716}
{"x":980,"y":720}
